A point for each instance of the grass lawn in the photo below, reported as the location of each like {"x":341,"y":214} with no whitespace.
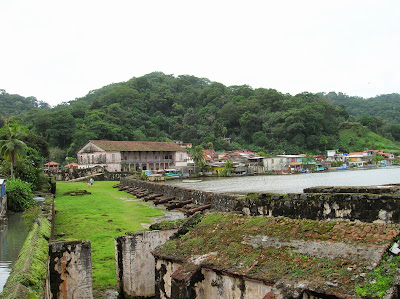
{"x":99,"y":217}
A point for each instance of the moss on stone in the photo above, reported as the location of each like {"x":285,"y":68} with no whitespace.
{"x":28,"y":277}
{"x":252,"y":195}
{"x":221,"y":242}
{"x":381,"y":279}
{"x":167,"y":224}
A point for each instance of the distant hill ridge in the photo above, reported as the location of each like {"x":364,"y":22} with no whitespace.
{"x":160,"y":107}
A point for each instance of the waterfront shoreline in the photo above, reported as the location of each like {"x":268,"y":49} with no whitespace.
{"x":293,"y":183}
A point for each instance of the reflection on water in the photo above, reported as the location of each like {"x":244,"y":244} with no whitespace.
{"x":12,"y":236}
{"x":296,"y":182}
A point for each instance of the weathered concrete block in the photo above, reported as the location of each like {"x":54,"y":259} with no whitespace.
{"x":136,"y":264}
{"x":70,"y":270}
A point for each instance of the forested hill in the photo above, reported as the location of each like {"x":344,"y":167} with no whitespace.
{"x":385,"y":106}
{"x":163,"y":107}
{"x":13,"y":104}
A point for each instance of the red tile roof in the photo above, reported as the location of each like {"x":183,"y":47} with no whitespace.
{"x":51,"y":163}
{"x":73,"y":164}
{"x":137,"y":146}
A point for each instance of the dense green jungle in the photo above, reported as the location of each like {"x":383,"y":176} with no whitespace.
{"x":161,"y":107}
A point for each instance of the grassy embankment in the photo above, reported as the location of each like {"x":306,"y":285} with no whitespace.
{"x":99,"y":217}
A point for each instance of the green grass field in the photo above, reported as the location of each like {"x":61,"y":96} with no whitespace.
{"x":99,"y":217}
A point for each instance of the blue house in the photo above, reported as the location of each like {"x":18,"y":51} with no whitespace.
{"x":3,"y":197}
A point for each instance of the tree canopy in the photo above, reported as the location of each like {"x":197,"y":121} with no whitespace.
{"x":160,"y":107}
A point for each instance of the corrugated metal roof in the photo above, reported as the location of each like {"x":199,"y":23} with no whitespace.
{"x":137,"y":146}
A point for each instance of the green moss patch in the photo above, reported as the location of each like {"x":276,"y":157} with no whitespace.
{"x":381,"y":279}
{"x":167,"y":224}
{"x":28,"y":277}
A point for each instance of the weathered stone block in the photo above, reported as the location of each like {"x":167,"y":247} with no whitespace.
{"x":70,"y":269}
{"x":136,"y":264}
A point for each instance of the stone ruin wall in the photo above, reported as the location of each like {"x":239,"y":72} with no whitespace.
{"x":174,"y":283}
{"x":317,"y":204}
{"x":135,"y":264}
{"x":70,"y":270}
{"x":98,"y":174}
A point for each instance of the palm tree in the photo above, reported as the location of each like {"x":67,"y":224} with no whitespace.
{"x":198,"y":157}
{"x":308,"y":160}
{"x":228,"y":168}
{"x":12,"y":148}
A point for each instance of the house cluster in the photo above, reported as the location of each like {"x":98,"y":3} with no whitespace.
{"x":156,"y":157}
{"x":365,"y":158}
{"x":249,"y":162}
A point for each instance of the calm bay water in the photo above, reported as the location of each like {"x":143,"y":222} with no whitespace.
{"x":296,"y":182}
{"x":12,"y":236}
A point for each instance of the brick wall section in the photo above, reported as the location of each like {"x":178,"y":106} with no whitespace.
{"x":373,"y":204}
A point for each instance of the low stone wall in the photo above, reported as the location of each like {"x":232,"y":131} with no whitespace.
{"x":382,"y":189}
{"x":175,"y":282}
{"x":367,"y":204}
{"x":70,"y":270}
{"x":28,"y":277}
{"x":135,"y":263}
{"x":98,"y":173}
{"x":320,"y":206}
{"x":220,"y":201}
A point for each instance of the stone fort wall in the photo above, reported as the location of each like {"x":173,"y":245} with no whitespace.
{"x":367,"y":204}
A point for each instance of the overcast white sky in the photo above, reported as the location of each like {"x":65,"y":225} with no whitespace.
{"x":60,"y":50}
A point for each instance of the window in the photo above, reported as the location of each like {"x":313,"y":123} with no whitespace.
{"x":113,"y":157}
{"x":92,"y":159}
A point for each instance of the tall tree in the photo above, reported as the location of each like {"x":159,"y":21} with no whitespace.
{"x":12,"y":147}
{"x":198,"y":157}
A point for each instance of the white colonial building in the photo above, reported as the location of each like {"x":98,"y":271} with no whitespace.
{"x":131,"y":155}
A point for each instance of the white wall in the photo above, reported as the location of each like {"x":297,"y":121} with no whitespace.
{"x":135,"y":263}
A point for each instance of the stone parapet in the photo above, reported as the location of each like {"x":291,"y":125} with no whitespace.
{"x":382,"y":189}
{"x":367,"y":204}
{"x":323,"y":206}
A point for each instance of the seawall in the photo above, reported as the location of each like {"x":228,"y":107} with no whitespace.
{"x":367,"y":204}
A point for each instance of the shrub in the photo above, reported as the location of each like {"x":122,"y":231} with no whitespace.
{"x":19,"y":195}
{"x":143,"y":176}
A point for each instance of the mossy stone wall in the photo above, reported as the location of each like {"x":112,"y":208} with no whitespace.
{"x":382,"y":204}
{"x":28,"y":277}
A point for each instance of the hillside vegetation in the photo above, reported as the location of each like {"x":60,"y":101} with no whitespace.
{"x":355,"y":137}
{"x":160,"y":107}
